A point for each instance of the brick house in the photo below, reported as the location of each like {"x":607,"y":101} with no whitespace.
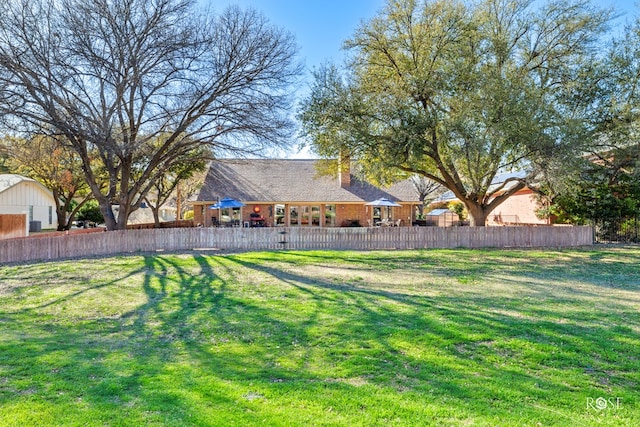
{"x":291,"y":192}
{"x":518,"y":209}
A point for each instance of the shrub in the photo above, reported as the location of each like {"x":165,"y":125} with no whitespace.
{"x":90,"y":211}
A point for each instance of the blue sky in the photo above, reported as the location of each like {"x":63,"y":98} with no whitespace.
{"x":320,"y":26}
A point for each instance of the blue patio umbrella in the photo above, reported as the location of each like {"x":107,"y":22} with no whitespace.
{"x":227,"y":202}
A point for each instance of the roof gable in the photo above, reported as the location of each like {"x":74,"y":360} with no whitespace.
{"x":10,"y":180}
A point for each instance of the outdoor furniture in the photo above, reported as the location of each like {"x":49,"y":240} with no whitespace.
{"x":227,"y":207}
{"x":384,"y":203}
{"x":256,"y":220}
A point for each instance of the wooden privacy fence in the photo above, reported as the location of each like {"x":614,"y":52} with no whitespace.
{"x":179,"y":239}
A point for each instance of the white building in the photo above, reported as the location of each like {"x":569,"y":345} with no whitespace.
{"x":22,"y":195}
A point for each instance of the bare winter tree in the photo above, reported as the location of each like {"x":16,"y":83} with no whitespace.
{"x":170,"y":186}
{"x":425,"y":187}
{"x":113,"y":76}
{"x":186,"y":190}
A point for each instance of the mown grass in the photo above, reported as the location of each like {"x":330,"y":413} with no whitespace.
{"x":406,"y":338}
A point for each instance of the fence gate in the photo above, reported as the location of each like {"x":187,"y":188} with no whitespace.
{"x":617,"y":230}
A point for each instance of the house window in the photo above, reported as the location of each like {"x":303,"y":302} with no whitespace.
{"x":330,"y":215}
{"x":315,"y":216}
{"x":305,"y":212}
{"x":30,"y":213}
{"x":230,"y":216}
{"x":50,"y":214}
{"x":307,"y":216}
{"x":280,"y":215}
{"x":377,"y":214}
{"x":381,"y":213}
{"x":293,"y":216}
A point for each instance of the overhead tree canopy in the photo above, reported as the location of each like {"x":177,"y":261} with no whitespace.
{"x":460,"y":91}
{"x":109,"y":77}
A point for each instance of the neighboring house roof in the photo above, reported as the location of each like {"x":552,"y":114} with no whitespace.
{"x":497,"y":180}
{"x":290,"y":180}
{"x":10,"y":180}
{"x":438,"y":212}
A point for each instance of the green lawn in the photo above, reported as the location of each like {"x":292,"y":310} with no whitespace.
{"x":387,"y":338}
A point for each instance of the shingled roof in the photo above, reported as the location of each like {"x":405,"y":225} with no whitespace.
{"x":288,"y":181}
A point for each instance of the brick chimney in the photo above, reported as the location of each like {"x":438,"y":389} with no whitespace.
{"x":344,"y":170}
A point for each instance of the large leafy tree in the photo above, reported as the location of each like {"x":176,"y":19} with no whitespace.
{"x":460,"y":91}
{"x":111,"y":76}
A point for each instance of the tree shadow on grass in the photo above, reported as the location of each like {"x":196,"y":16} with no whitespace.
{"x":211,"y":347}
{"x":603,"y":267}
{"x":512,"y":346}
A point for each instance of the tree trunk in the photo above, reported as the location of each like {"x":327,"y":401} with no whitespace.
{"x":64,"y":209}
{"x":178,"y":203}
{"x":156,"y":216}
{"x":123,"y":216}
{"x":107,"y":213}
{"x":477,"y":215}
{"x":62,"y":218}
